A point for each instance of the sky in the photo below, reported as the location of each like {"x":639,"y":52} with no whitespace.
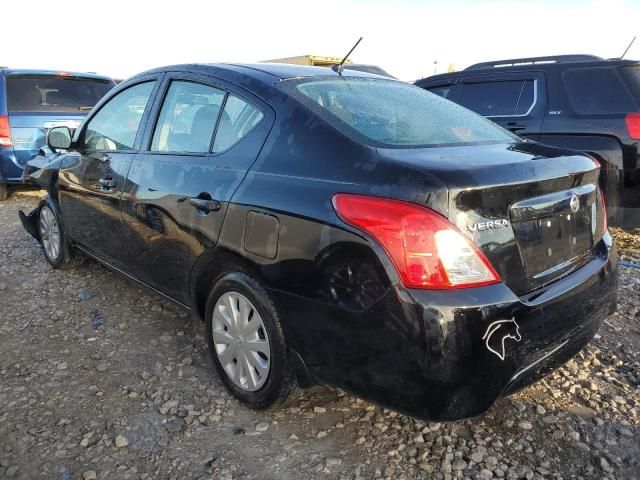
{"x":123,"y":37}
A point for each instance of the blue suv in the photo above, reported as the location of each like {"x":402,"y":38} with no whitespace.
{"x":32,"y":102}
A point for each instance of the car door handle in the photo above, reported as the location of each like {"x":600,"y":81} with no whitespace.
{"x":515,"y":127}
{"x":107,"y":183}
{"x":206,"y":204}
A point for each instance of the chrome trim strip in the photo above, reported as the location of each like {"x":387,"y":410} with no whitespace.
{"x":535,"y":101}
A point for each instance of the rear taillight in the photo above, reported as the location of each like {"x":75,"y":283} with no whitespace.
{"x":604,"y":212}
{"x":633,"y":125}
{"x":5,"y":132}
{"x":426,"y":249}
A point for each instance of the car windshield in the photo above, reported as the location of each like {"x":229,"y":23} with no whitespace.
{"x":54,"y":93}
{"x":395,"y":114}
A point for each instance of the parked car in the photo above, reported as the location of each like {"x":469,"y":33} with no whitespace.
{"x":580,"y":102}
{"x":341,"y":229}
{"x":32,"y":102}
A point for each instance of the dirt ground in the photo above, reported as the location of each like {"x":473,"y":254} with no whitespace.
{"x":100,"y":379}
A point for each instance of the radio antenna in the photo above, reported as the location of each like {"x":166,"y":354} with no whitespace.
{"x":339,"y":67}
{"x":625,"y":52}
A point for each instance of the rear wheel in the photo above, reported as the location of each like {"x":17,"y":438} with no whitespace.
{"x":4,"y":191}
{"x":246,"y":342}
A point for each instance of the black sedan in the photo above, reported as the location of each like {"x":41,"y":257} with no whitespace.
{"x":343,"y":229}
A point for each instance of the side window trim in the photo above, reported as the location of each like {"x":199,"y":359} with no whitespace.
{"x":215,"y":129}
{"x":531,"y":107}
{"x":80,"y":133}
{"x":248,"y":102}
{"x":538,"y":78}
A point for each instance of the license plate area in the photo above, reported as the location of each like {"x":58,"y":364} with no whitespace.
{"x":555,"y":231}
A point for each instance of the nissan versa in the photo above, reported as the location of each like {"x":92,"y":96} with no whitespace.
{"x":337,"y":228}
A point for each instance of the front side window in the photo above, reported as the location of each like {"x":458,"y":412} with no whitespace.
{"x":238,"y":119}
{"x":188,"y":118}
{"x":116,"y":125}
{"x":597,"y":90}
{"x":395,"y":114}
{"x":503,"y":98}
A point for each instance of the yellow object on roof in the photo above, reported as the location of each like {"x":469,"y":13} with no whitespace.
{"x":308,"y":60}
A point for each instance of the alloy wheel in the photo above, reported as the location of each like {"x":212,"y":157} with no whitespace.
{"x":50,"y":233}
{"x":241,"y":341}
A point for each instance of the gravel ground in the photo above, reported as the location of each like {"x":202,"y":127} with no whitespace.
{"x":99,"y":379}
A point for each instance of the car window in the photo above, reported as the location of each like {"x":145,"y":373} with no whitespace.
{"x":597,"y":90}
{"x":442,"y":90}
{"x":188,"y":118}
{"x":237,"y":120}
{"x":54,"y":93}
{"x":499,"y":98}
{"x":396,"y":114}
{"x":116,"y":125}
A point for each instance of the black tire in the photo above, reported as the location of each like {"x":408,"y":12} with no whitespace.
{"x":281,"y":385}
{"x":4,"y":191}
{"x":66,"y":257}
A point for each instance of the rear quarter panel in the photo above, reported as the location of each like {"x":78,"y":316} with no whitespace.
{"x":304,"y":162}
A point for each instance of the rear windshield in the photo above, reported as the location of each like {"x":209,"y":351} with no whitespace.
{"x":395,"y":114}
{"x":51,"y":93}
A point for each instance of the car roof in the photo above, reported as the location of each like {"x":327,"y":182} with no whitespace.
{"x":261,"y":71}
{"x":64,"y":73}
{"x":533,"y":63}
{"x":285,"y":71}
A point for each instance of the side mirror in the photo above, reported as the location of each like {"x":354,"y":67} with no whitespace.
{"x":59,"y":138}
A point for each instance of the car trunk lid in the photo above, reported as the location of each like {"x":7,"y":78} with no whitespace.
{"x":534,"y":211}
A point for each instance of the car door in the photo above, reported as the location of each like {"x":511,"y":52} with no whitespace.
{"x":93,"y":176}
{"x":178,"y":189}
{"x":515,"y":101}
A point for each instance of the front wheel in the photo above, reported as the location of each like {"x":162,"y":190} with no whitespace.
{"x":246,"y":342}
{"x":54,"y":241}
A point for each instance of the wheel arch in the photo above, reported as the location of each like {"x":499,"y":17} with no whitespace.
{"x":218,"y":261}
{"x":209,"y":266}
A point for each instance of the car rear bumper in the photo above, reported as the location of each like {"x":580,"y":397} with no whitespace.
{"x":448,"y":355}
{"x":10,"y":170}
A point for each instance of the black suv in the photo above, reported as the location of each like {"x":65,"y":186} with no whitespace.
{"x":580,"y":102}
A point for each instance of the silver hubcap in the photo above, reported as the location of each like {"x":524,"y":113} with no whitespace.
{"x":49,"y":233}
{"x":241,"y":341}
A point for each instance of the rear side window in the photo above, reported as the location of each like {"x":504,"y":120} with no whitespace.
{"x":500,"y":98}
{"x":631,"y":76}
{"x":237,"y":120}
{"x":597,"y":90}
{"x":188,"y":118}
{"x":394,"y":114}
{"x":116,"y":125}
{"x":54,"y":93}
